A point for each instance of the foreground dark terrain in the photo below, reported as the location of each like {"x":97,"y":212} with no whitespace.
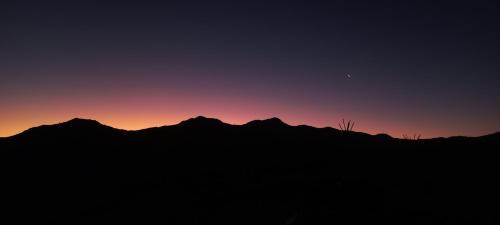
{"x":203,"y":171}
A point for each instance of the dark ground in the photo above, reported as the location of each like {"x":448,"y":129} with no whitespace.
{"x":203,"y":171}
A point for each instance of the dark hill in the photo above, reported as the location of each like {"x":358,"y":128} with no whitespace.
{"x":203,"y":171}
{"x":202,"y":122}
{"x":76,"y":126}
{"x":271,"y":123}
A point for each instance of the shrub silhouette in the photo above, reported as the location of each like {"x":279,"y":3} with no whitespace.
{"x":414,"y":138}
{"x":346,"y":127}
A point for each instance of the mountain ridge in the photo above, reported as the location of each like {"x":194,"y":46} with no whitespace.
{"x":217,"y":173}
{"x":207,"y":122}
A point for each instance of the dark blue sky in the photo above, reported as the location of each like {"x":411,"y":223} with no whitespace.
{"x":429,"y":68}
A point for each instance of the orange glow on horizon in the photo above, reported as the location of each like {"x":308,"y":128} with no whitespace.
{"x":137,"y":121}
{"x":137,"y":112}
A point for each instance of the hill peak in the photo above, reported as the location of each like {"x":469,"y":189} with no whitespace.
{"x":201,"y":121}
{"x":271,"y":122}
{"x":77,"y":125}
{"x":82,"y":120}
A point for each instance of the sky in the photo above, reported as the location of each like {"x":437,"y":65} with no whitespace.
{"x":395,"y":67}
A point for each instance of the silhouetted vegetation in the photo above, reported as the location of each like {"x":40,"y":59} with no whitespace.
{"x":346,"y":127}
{"x":415,"y":137}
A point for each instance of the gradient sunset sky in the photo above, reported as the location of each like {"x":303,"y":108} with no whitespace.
{"x":415,"y":68}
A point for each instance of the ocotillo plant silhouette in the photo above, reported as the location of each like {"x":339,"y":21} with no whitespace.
{"x":414,"y":138}
{"x":346,"y":127}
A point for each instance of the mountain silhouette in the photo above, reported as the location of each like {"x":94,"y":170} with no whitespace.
{"x":76,"y":126}
{"x":271,"y":123}
{"x":201,"y":121}
{"x":204,"y":171}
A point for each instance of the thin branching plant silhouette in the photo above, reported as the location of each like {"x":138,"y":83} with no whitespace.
{"x":346,"y":127}
{"x":415,"y":137}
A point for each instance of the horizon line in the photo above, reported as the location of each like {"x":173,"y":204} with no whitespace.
{"x":228,"y":123}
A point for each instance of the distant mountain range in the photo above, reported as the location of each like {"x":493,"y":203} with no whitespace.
{"x":204,"y":171}
{"x":204,"y":122}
